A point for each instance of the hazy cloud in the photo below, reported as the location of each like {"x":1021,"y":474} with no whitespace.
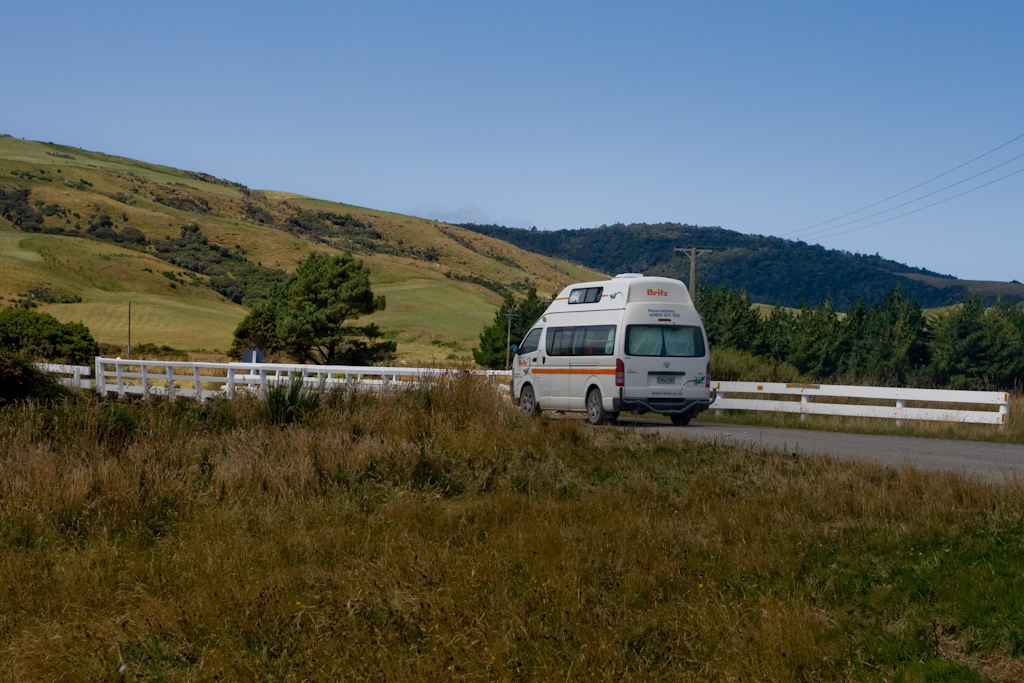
{"x":465,"y":214}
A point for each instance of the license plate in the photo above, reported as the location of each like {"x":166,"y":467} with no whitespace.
{"x":666,"y":380}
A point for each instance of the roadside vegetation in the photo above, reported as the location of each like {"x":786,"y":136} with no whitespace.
{"x":728,"y":364}
{"x":968,"y":346}
{"x":438,"y":534}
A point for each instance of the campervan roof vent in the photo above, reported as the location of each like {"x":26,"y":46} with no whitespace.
{"x":626,"y":276}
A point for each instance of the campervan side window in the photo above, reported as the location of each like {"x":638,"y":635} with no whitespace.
{"x":531,"y":342}
{"x":584,"y":340}
{"x":585,"y":295}
{"x":676,"y":341}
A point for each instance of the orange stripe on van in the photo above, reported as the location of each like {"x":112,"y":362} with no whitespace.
{"x":573,"y":371}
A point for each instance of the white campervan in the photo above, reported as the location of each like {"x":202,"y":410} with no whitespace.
{"x":631,"y":343}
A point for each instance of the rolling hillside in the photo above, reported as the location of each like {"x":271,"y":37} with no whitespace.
{"x":770,"y":269}
{"x":83,"y":233}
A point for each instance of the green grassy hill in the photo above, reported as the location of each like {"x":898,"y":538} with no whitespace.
{"x":73,"y":256}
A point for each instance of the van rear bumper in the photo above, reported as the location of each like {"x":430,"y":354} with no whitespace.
{"x":662,"y":406}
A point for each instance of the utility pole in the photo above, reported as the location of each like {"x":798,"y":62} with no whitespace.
{"x":693,"y":252}
{"x":508,"y":337}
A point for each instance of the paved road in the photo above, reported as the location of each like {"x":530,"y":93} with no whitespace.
{"x":993,"y":462}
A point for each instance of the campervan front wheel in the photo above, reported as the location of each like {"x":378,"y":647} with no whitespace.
{"x":595,"y":409}
{"x":527,"y":401}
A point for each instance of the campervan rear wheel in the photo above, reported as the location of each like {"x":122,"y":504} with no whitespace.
{"x":595,"y":409}
{"x":527,"y":401}
{"x":681,"y":420}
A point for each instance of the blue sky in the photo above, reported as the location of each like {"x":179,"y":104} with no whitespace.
{"x":760,"y":117}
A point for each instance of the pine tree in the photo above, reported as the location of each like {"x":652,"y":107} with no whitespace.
{"x":493,"y":349}
{"x":324,"y":294}
{"x":974,"y":348}
{"x":729,"y":317}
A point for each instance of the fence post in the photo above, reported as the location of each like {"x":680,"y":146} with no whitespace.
{"x":101,"y":385}
{"x":199,"y":385}
{"x":120,"y":378}
{"x":169,"y":371}
{"x":804,"y":400}
{"x":231,"y":382}
{"x":1004,"y":411}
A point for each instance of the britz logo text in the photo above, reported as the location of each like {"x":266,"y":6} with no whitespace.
{"x":656,"y":292}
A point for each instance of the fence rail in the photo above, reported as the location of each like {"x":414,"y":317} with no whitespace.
{"x":202,"y":379}
{"x":73,"y":376}
{"x":780,"y":397}
{"x":176,"y":378}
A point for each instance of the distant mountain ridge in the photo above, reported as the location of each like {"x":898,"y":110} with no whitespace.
{"x":771,"y":270}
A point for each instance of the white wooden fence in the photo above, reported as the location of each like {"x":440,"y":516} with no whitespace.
{"x":73,"y":376}
{"x":175,"y":378}
{"x":779,"y":397}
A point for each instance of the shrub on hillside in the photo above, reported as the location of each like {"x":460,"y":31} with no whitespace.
{"x":231,"y":275}
{"x":152,"y":351}
{"x":40,"y":336}
{"x":14,"y":207}
{"x":197,"y":205}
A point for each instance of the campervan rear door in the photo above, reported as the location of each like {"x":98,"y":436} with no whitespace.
{"x":665,"y":353}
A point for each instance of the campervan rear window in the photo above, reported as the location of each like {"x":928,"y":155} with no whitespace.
{"x":585,"y":295}
{"x":582,"y":340}
{"x":675,"y":341}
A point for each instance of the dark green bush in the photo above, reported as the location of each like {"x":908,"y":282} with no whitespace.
{"x":14,"y":207}
{"x":22,"y":381}
{"x":41,"y":337}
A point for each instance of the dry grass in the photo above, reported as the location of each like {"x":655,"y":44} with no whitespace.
{"x":436,"y":533}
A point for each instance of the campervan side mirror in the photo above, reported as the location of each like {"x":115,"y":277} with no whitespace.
{"x":515,"y":348}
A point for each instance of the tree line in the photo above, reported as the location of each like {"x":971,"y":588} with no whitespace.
{"x":892,"y":343}
{"x":770,"y":269}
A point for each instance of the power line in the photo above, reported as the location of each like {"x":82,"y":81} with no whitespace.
{"x":941,"y":201}
{"x":909,"y":189}
{"x":924,"y":196}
